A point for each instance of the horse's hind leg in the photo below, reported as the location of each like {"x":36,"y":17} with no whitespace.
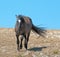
{"x":21,"y":42}
{"x":17,"y":42}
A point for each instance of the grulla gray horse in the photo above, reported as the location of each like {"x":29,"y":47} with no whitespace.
{"x":23,"y":28}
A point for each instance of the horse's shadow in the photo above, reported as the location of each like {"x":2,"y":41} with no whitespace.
{"x":36,"y":48}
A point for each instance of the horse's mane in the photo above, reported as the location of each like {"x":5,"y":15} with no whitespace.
{"x":22,"y":16}
{"x":19,"y":16}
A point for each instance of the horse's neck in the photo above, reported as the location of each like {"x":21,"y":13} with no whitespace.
{"x":27,"y":20}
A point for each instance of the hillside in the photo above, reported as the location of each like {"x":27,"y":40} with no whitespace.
{"x":37,"y":46}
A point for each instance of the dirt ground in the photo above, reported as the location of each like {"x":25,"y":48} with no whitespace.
{"x":37,"y":46}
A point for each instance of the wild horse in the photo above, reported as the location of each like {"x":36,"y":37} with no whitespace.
{"x":23,"y":27}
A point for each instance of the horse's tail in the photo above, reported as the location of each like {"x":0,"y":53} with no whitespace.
{"x":39,"y":30}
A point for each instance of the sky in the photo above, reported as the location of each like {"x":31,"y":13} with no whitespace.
{"x":44,"y":13}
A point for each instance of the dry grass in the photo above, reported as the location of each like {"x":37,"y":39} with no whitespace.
{"x":37,"y":47}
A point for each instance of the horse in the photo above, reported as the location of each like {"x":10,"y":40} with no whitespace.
{"x":23,"y":28}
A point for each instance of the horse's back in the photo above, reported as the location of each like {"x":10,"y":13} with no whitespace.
{"x":28,"y":23}
{"x":27,"y":20}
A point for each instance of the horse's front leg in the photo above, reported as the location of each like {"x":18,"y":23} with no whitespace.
{"x":25,"y":42}
{"x":28,"y":37}
{"x":21,"y":42}
{"x":17,"y":42}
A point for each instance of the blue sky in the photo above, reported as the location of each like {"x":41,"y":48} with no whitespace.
{"x":45,"y":13}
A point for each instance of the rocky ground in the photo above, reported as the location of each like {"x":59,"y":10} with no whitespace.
{"x":37,"y":46}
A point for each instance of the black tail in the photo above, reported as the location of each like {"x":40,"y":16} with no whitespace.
{"x":38,"y":30}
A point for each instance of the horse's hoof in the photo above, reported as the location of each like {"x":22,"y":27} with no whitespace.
{"x":20,"y":47}
{"x":26,"y":48}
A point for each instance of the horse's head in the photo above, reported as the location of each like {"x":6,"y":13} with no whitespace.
{"x":19,"y":23}
{"x":20,"y":18}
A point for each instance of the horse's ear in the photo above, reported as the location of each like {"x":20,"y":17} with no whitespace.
{"x":16,"y":16}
